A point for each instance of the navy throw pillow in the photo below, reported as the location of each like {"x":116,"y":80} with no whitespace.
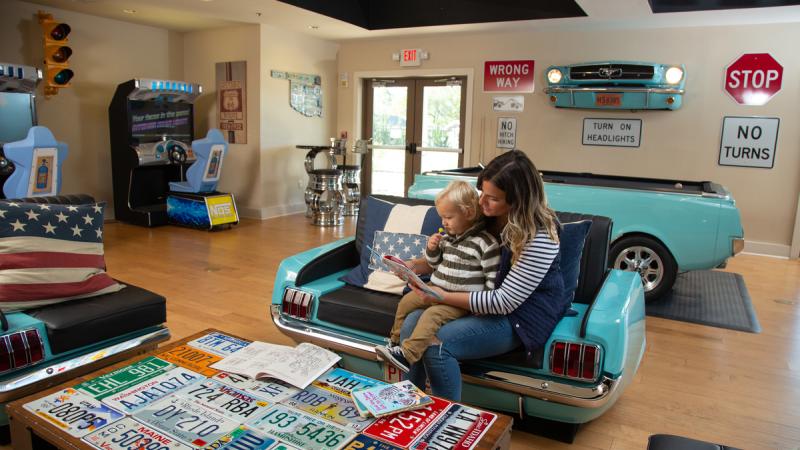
{"x":395,"y":219}
{"x":572,"y":237}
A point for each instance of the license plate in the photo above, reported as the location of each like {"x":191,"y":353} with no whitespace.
{"x":273,"y":391}
{"x":125,"y":377}
{"x":344,"y":382}
{"x":330,"y":406}
{"x":188,"y":421}
{"x":192,"y":359}
{"x":228,"y":401}
{"x":242,"y":438}
{"x":152,"y":390}
{"x":460,"y":427}
{"x":403,"y":428}
{"x":219,"y":344}
{"x":391,"y":374}
{"x":128,"y":434}
{"x":301,"y":430}
{"x":362,"y":442}
{"x":607,"y":100}
{"x":74,"y":412}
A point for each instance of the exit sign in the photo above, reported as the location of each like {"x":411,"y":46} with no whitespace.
{"x":411,"y":57}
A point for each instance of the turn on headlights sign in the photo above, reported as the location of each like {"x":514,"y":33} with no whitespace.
{"x":612,"y":132}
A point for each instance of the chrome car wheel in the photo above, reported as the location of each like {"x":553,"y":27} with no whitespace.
{"x":643,"y":260}
{"x":647,"y":257}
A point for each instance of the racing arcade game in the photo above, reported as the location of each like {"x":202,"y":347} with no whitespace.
{"x":152,"y":126}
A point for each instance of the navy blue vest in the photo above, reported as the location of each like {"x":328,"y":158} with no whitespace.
{"x":536,"y":318}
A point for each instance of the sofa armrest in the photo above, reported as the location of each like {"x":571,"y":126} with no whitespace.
{"x":334,"y":260}
{"x":72,"y":199}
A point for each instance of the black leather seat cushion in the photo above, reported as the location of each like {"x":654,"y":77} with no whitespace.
{"x":358,"y":308}
{"x":77,"y":323}
{"x":670,"y":442}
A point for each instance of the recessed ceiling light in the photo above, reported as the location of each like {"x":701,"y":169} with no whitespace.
{"x":313,"y":27}
{"x":129,"y":11}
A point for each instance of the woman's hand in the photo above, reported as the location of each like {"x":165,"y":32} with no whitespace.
{"x":427,"y":298}
{"x":419,"y":266}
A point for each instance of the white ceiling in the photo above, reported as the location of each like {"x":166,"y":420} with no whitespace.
{"x":191,"y":15}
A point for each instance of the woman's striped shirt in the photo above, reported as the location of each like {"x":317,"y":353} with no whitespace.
{"x":523,"y":278}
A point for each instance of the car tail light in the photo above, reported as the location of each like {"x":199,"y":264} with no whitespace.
{"x":574,"y":360}
{"x":20,"y":349}
{"x":297,"y":303}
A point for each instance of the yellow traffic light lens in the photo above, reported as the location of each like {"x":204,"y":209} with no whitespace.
{"x":60,"y":32}
{"x":62,"y":54}
{"x":63,"y":76}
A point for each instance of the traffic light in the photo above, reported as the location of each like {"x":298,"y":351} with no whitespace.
{"x":57,"y":73}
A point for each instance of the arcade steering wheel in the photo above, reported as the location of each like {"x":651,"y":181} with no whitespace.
{"x":6,"y":166}
{"x":176,"y":153}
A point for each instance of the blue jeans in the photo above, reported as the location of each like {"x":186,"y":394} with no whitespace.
{"x":470,"y":337}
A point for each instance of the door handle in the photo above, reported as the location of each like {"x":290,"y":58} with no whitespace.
{"x":411,"y":148}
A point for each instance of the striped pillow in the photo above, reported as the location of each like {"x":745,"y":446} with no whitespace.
{"x":51,"y":253}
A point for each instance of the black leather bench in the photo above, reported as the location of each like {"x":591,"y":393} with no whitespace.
{"x":77,"y":323}
{"x":373,"y":312}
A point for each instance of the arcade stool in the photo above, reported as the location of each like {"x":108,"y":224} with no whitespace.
{"x":351,"y":187}
{"x":195,"y":202}
{"x":327,"y":201}
{"x":671,"y":442}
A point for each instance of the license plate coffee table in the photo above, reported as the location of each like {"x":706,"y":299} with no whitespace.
{"x":171,"y":399}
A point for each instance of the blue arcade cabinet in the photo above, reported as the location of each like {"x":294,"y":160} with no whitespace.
{"x":151,"y":126}
{"x":195,"y":202}
{"x":30,"y":160}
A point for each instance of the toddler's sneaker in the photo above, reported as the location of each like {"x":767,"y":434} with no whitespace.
{"x":393,"y":355}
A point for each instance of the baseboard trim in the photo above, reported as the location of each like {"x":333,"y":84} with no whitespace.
{"x":767,"y":249}
{"x":271,"y":211}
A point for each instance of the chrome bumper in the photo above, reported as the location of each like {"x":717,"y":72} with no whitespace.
{"x":620,"y":89}
{"x":595,"y":396}
{"x":62,"y":367}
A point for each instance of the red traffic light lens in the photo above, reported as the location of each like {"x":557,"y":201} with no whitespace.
{"x":63,"y":76}
{"x":62,"y":54}
{"x":60,"y":32}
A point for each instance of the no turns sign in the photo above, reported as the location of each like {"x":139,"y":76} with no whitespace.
{"x":753,"y":78}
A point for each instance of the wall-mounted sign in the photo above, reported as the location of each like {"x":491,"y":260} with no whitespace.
{"x":410,"y":57}
{"x":232,"y":100}
{"x":305,"y":92}
{"x":749,"y":141}
{"x":514,"y":103}
{"x":612,"y":132}
{"x":753,"y":78}
{"x":506,"y":132}
{"x":508,"y":76}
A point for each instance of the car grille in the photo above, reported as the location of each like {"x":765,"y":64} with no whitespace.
{"x":612,"y":72}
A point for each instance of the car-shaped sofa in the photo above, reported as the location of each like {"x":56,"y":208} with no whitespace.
{"x":48,"y":345}
{"x":616,"y":85}
{"x":581,"y":371}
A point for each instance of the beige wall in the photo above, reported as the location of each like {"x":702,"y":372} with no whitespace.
{"x":106,"y":53}
{"x":675,"y":144}
{"x":283,"y":176}
{"x":202,"y":50}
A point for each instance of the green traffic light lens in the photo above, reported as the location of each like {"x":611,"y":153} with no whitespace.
{"x":63,"y":76}
{"x":60,"y":32}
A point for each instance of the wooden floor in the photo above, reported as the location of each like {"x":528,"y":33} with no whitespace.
{"x":730,"y":387}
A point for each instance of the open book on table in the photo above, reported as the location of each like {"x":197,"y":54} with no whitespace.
{"x":298,"y":366}
{"x":399,"y":268}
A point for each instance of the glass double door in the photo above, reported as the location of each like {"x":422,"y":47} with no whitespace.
{"x":416,"y":125}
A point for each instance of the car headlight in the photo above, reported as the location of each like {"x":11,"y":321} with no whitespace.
{"x":674,"y":75}
{"x":554,"y":76}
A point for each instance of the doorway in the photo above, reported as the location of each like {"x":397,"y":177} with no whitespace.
{"x":416,"y":125}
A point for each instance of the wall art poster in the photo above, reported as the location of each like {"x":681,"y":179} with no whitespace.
{"x":232,"y":100}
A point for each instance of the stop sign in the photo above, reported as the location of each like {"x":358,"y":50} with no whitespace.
{"x":753,"y":78}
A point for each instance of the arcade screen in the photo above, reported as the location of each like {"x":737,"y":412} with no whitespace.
{"x":156,"y":120}
{"x":16,"y":116}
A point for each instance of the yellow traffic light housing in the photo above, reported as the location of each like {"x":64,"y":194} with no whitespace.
{"x":57,"y":73}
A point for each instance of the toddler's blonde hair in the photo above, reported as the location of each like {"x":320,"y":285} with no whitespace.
{"x":464,"y":196}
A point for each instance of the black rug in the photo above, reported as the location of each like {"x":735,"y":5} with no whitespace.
{"x":708,"y":297}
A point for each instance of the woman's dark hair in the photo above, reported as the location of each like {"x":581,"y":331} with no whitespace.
{"x":516,"y":175}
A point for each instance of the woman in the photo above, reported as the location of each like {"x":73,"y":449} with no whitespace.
{"x":529,"y":299}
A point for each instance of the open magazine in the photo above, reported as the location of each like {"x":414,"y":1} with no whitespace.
{"x":298,"y":366}
{"x":399,"y":268}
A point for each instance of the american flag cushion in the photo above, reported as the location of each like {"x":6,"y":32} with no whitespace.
{"x":51,"y":253}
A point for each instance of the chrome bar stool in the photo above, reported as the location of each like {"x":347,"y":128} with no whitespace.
{"x":313,"y":150}
{"x":351,"y":188}
{"x":326,"y":199}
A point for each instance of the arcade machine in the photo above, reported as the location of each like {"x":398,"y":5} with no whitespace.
{"x":195,"y":202}
{"x":30,"y":157}
{"x":152,"y":126}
